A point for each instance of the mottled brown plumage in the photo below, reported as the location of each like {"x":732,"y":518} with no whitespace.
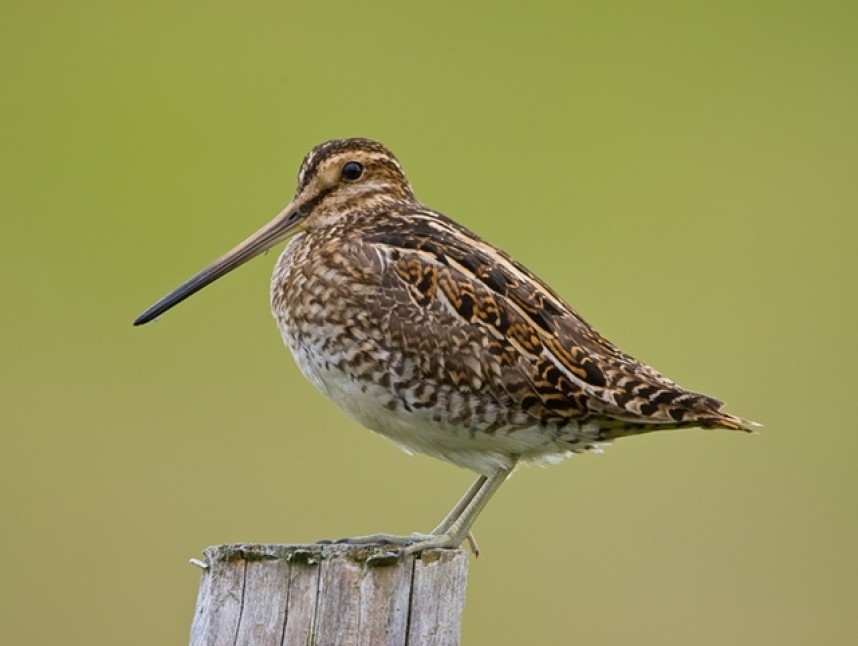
{"x":432,"y":337}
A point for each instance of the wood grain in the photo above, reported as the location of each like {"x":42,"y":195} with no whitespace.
{"x":335,"y":595}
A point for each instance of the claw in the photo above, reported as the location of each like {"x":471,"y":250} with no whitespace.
{"x":472,"y":543}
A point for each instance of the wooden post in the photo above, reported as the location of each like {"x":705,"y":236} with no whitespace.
{"x":328,"y":594}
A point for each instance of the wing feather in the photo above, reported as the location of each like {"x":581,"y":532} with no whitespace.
{"x":547,"y":359}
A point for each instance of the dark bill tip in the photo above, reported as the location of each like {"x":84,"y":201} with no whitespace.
{"x":280,"y":228}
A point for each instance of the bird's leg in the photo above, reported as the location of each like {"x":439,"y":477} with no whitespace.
{"x":460,"y":506}
{"x":456,"y":525}
{"x":449,"y":520}
{"x":461,"y":524}
{"x":457,"y":510}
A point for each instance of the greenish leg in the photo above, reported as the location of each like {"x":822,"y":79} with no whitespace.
{"x":455,"y":527}
{"x":465,"y":500}
{"x":460,"y":527}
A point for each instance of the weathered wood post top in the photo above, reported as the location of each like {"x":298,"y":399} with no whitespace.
{"x":328,"y":594}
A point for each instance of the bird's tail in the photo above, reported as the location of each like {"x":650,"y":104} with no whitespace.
{"x":731,"y":422}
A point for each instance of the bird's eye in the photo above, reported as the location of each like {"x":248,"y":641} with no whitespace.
{"x":352,"y":170}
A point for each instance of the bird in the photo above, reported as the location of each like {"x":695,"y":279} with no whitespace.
{"x":425,"y":333}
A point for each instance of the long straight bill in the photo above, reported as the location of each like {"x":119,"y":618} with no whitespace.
{"x":280,"y":228}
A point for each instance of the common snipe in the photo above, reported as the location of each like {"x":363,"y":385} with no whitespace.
{"x":432,"y":337}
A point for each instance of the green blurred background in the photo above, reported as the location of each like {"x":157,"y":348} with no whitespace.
{"x":686,"y":174}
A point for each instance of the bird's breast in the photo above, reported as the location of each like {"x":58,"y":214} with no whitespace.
{"x":407,"y":371}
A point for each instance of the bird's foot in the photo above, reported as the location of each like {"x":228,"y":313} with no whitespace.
{"x":432,"y":542}
{"x":442,"y":540}
{"x":384,"y":539}
{"x":412,"y":543}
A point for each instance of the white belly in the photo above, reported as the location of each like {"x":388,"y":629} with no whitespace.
{"x":416,"y":431}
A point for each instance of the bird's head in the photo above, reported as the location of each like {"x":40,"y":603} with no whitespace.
{"x":338,"y":180}
{"x":342,"y":176}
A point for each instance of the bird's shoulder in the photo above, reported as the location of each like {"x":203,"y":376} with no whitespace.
{"x":439,"y":258}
